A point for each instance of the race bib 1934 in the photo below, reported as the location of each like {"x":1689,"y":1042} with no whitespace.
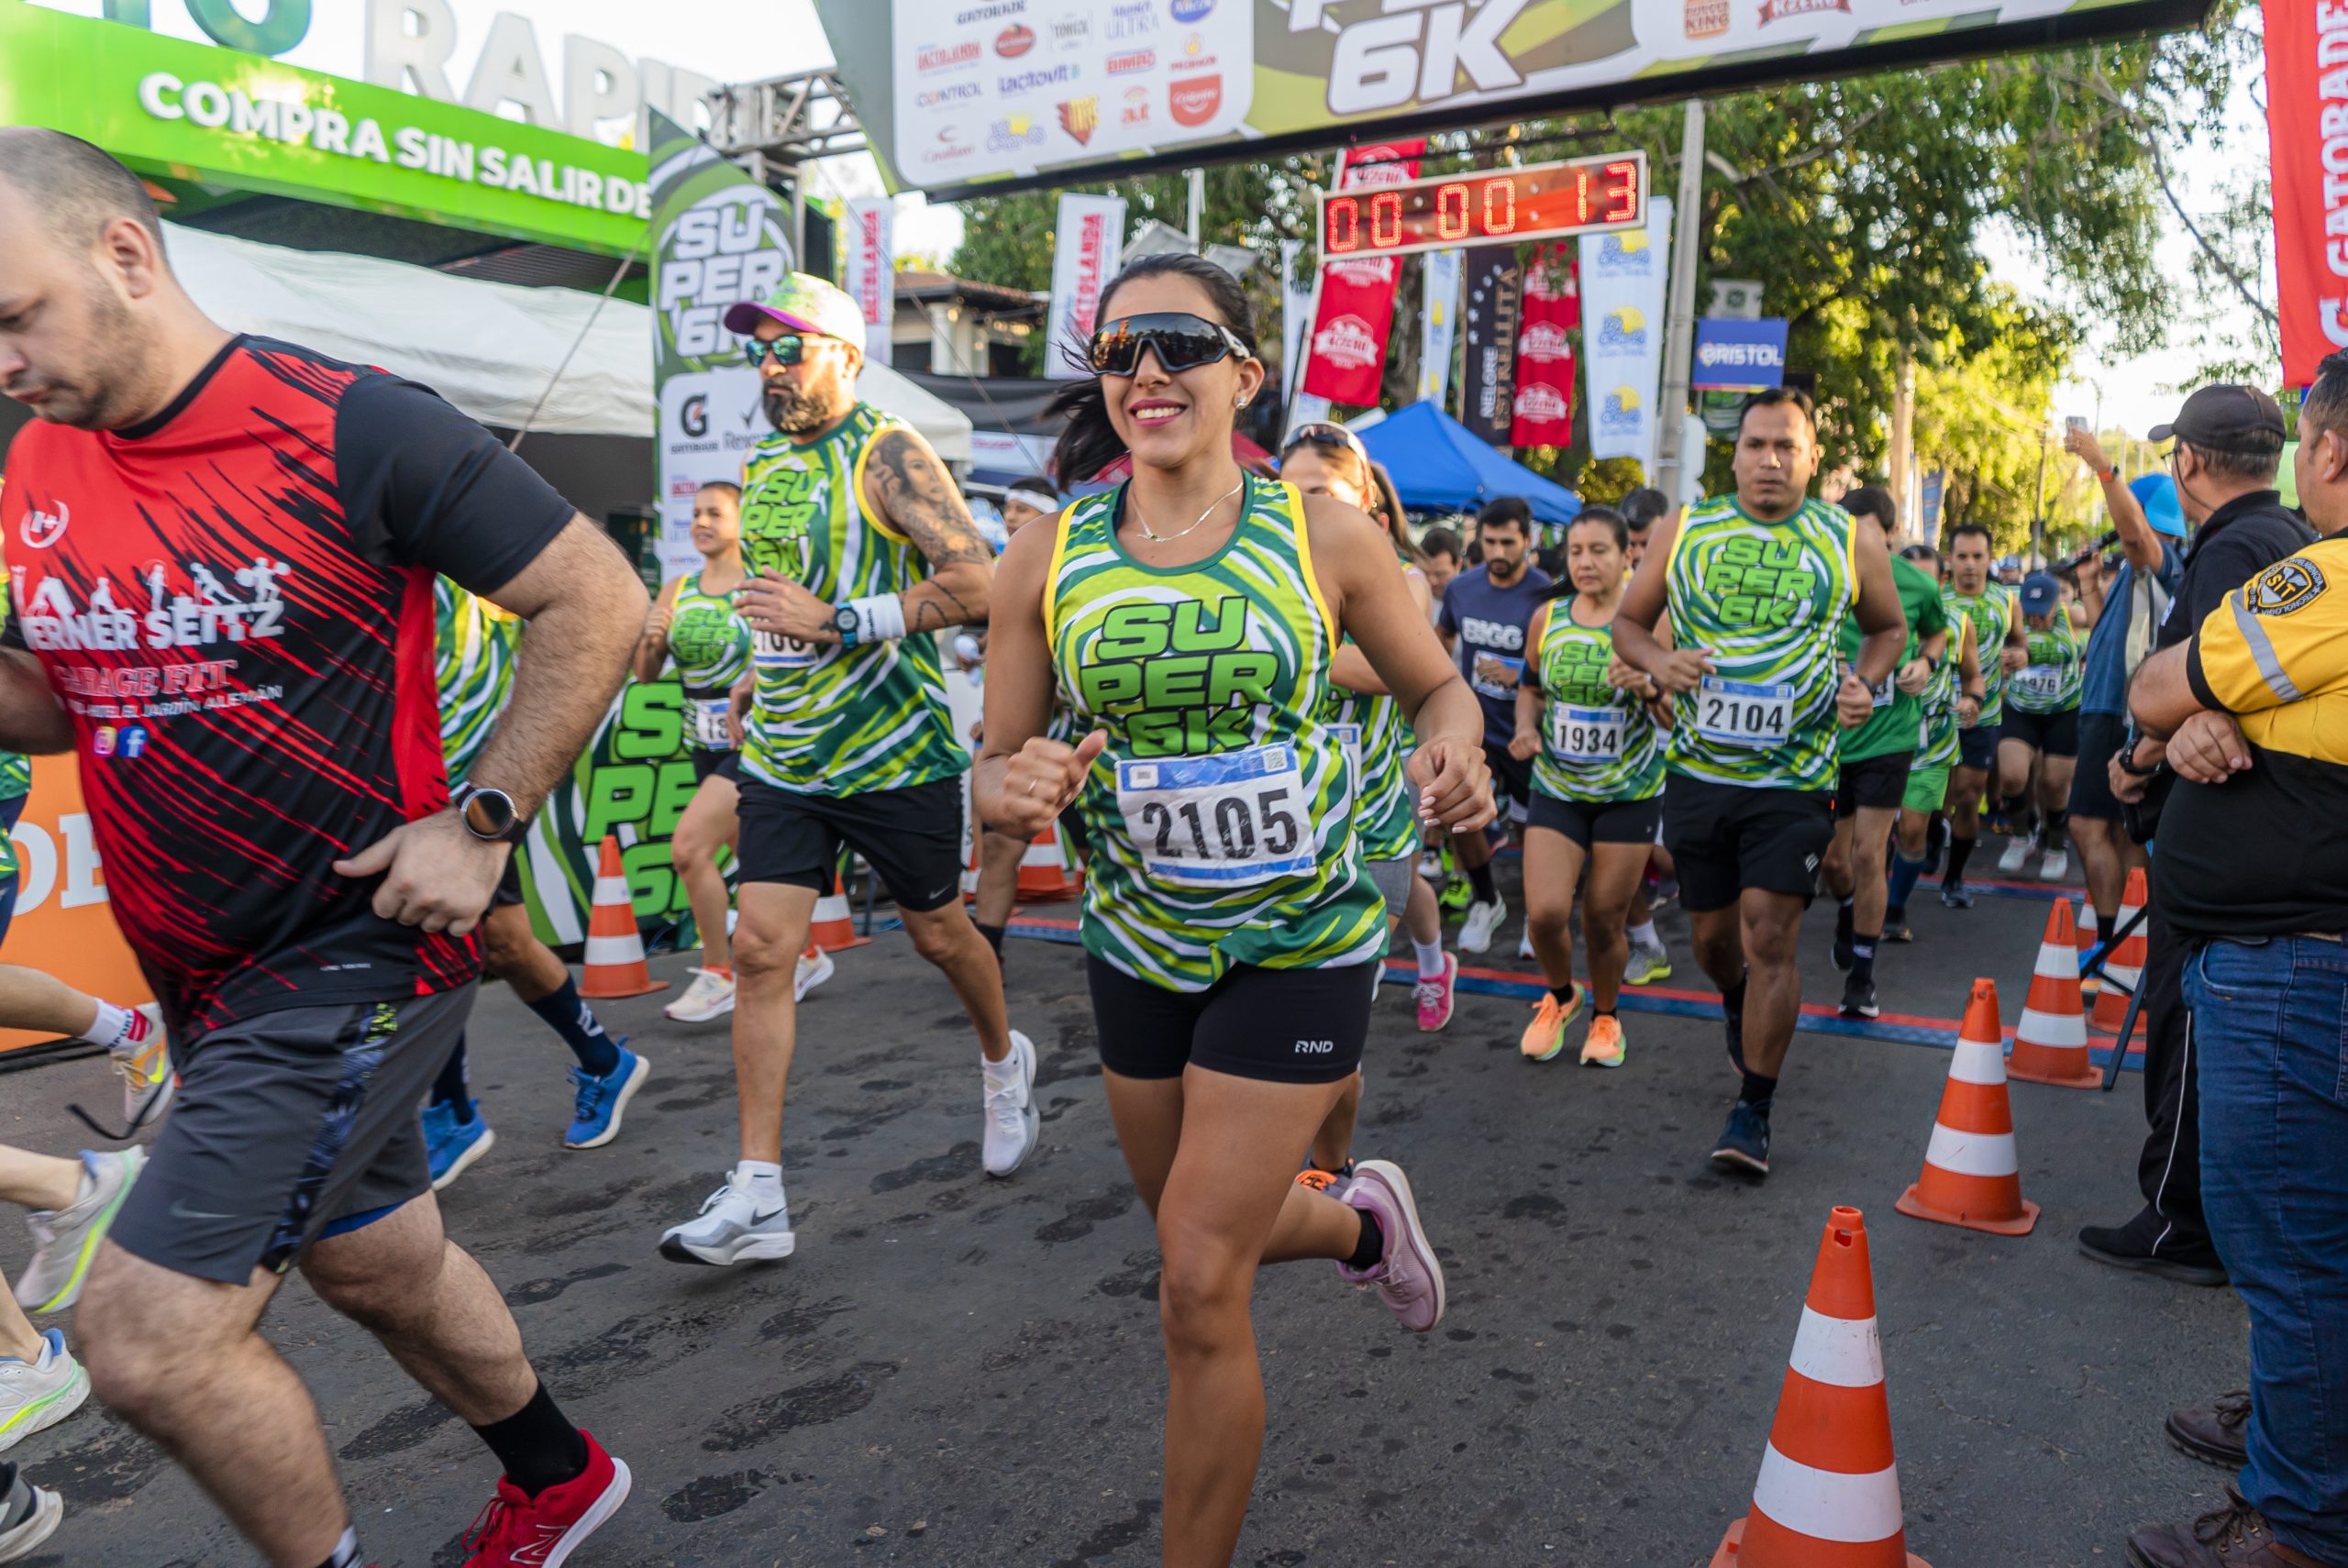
{"x":709,"y":724}
{"x":1228,"y":821}
{"x":1586,"y":735}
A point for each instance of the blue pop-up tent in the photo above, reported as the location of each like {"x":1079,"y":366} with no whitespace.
{"x":1438,"y":465}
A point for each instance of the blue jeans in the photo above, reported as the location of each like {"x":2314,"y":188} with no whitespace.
{"x":2271,"y":1022}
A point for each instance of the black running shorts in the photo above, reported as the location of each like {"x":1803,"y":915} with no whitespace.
{"x":1877,"y":783}
{"x":1511,"y":780}
{"x":285,"y":1122}
{"x":2100,"y":734}
{"x":1288,"y":1026}
{"x":1977,"y":748}
{"x":1598,"y":822}
{"x":912,"y":837}
{"x":2057,"y":734}
{"x":726,"y":765}
{"x":1724,"y":838}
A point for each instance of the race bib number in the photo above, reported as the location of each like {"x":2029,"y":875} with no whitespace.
{"x":1884,"y":692}
{"x":1494,"y":675}
{"x":1228,"y":821}
{"x":772,"y":650}
{"x":1586,"y":735}
{"x":2039,"y":683}
{"x":709,"y":724}
{"x":1745,"y":713}
{"x":1349,"y":737}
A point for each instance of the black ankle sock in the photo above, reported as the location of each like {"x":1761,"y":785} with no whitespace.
{"x":1960,"y":850}
{"x":1370,"y":1251}
{"x":572,"y":1018}
{"x":993,"y":933}
{"x":1565,"y":994}
{"x":1757,"y":1090}
{"x":449,"y":1087}
{"x":2056,"y":821}
{"x":1733,"y":998}
{"x":1480,"y":879}
{"x":1863,"y":956}
{"x":538,"y":1448}
{"x":1597,"y":1012}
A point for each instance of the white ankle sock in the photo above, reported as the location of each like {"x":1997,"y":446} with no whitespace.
{"x":766,"y":1178}
{"x":114,"y":1025}
{"x":1643,"y":935}
{"x":1430,"y":956}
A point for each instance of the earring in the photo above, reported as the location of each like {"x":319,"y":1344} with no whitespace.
{"x":1239,"y":401}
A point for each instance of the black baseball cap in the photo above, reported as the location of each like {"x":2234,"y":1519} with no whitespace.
{"x":2227,"y":419}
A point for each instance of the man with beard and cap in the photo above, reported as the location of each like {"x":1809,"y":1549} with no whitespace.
{"x":859,"y":551}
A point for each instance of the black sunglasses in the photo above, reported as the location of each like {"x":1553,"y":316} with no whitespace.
{"x":1181,"y":342}
{"x":787,"y":349}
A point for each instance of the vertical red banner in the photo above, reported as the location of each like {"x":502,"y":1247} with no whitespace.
{"x":1346,"y":360}
{"x":1545,"y":350}
{"x":2307,"y":120}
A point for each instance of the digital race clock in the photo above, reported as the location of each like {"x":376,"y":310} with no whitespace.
{"x":1539,"y":201}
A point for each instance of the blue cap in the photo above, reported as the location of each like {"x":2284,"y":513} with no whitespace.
{"x":2158,"y":494}
{"x":2040,"y":593}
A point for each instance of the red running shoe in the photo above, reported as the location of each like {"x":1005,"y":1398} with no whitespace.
{"x":519,"y":1531}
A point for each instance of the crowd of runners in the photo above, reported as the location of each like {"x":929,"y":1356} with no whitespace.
{"x":1272,"y":721}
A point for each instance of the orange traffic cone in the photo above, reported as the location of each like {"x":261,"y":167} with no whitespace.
{"x":2051,"y":1041}
{"x":2088,"y":935}
{"x":1829,"y":1492}
{"x":1046,"y":873}
{"x":614,"y":965}
{"x":2125,"y":967}
{"x":833,"y":930}
{"x":1972,"y":1176}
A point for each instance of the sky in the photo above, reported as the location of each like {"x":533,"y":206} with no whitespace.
{"x":712,"y":38}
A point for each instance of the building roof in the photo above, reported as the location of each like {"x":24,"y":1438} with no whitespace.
{"x":913,"y":283}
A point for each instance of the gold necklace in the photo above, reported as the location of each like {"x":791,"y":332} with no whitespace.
{"x":1157,"y":538}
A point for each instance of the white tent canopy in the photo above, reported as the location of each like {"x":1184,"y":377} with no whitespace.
{"x":487,"y":347}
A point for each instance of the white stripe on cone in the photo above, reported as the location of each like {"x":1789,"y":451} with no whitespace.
{"x":830,"y":906}
{"x":1045,"y":851}
{"x":1979,"y":1062}
{"x":1842,"y":1352}
{"x":1827,"y":1505}
{"x":2064,"y":1029}
{"x":2125,"y":974}
{"x":612,"y":891}
{"x":1973,"y":1154}
{"x":614,"y":950}
{"x":2058,"y":962}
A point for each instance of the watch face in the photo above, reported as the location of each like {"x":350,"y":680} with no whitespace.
{"x":489,"y":813}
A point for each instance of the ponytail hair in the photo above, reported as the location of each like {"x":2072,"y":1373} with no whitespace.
{"x":1089,"y":443}
{"x":1386,"y":506}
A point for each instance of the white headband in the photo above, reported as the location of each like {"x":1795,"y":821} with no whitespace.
{"x":1041,"y":499}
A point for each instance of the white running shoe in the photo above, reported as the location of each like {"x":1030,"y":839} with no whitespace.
{"x":2056,"y":866}
{"x":710,"y":996}
{"x":147,"y":1083}
{"x":29,"y":1515}
{"x":66,"y":1239}
{"x":735,"y":1226}
{"x":1483,"y":919}
{"x":2017,"y":851}
{"x":1011,"y":1123}
{"x":35,"y":1395}
{"x":811,"y":972}
{"x":1524,"y":944}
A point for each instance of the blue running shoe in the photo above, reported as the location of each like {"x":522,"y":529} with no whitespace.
{"x":1745,"y":1142}
{"x":454,"y":1137}
{"x":595,"y":1119}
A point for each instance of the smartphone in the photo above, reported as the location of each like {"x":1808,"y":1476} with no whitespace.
{"x":2074,"y":423}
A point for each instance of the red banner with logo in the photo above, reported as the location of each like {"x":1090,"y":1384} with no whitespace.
{"x":1346,"y":359}
{"x":1545,"y":350}
{"x":2307,"y":117}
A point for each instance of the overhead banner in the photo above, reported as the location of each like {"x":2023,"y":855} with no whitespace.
{"x":1493,"y":308}
{"x":964,"y":96}
{"x":872,"y":247}
{"x":1544,"y":405}
{"x":718,"y":237}
{"x":2307,"y":105}
{"x":1738,"y":356}
{"x":1092,"y":237}
{"x":1348,"y":347}
{"x":1622,"y":296}
{"x":1438,"y":324}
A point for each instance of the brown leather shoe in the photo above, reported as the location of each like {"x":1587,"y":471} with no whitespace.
{"x":2233,"y":1536}
{"x":2214,"y":1436}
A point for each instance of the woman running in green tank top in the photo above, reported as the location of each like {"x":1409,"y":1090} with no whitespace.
{"x":1188,"y":618}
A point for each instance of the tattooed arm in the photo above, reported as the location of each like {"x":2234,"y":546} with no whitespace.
{"x":908,"y":487}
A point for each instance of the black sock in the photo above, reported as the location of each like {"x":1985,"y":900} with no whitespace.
{"x":1369,"y":1250}
{"x":1733,"y":998}
{"x":993,"y":933}
{"x":450,"y":1087}
{"x":2056,"y":821}
{"x":576,"y":1022}
{"x":2020,"y":818}
{"x":1597,"y":1011}
{"x":1960,"y":850}
{"x":1756,"y":1090}
{"x":1844,"y":914}
{"x":1480,"y":879}
{"x":1565,"y":994}
{"x":1863,"y":956}
{"x":538,"y":1448}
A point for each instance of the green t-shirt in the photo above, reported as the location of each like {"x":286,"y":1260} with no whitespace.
{"x":2050,"y":680}
{"x":1897,"y":717}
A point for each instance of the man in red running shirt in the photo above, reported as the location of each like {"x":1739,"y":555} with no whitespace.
{"x":222,"y":552}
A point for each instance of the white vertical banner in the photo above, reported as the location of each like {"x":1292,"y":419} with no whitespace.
{"x":1084,"y":256}
{"x":1296,"y":312}
{"x":1622,"y":315}
{"x":1438,"y":325}
{"x":872,"y":269}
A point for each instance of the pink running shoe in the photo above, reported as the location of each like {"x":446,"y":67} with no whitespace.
{"x":1409,"y":1278}
{"x":1435,"y":995}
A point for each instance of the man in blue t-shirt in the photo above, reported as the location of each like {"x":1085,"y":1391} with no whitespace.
{"x":2127,"y":610}
{"x":1485,"y":611}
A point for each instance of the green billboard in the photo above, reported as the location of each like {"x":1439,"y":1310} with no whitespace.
{"x":187,"y":110}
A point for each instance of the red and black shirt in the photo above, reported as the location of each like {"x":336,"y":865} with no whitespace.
{"x":234,"y":602}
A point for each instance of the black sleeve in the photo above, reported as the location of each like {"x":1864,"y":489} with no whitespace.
{"x":2228,"y":562}
{"x":423,"y":485}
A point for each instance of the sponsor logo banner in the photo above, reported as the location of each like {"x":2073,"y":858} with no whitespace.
{"x":1348,"y":341}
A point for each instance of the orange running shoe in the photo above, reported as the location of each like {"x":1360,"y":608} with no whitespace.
{"x":1604,"y":1046}
{"x":1546,"y":1035}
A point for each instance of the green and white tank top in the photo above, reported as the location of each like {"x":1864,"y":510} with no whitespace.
{"x":1598,"y":742}
{"x":1991,"y":611}
{"x":710,"y":645}
{"x":474,"y":659}
{"x":1768,"y":600}
{"x":1371,"y":726}
{"x":1937,"y":743}
{"x":2050,"y":683}
{"x":1222,"y":813}
{"x":829,"y":720}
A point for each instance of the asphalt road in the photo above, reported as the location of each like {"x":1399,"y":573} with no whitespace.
{"x":966,"y":1372}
